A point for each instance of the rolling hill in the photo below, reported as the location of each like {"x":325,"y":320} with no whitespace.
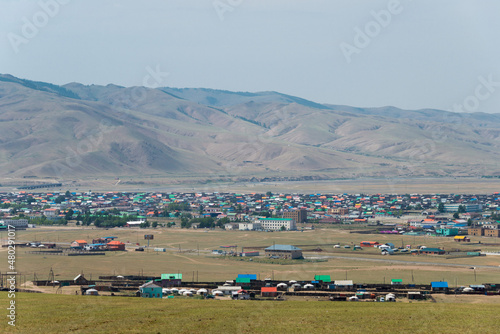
{"x":74,"y":131}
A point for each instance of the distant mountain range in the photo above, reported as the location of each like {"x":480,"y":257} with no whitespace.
{"x":74,"y":131}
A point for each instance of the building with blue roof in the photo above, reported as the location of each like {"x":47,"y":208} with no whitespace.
{"x":249,"y":276}
{"x":439,"y":286}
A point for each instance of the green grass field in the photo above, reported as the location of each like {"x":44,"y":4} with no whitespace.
{"x":42,"y":313}
{"x":364,"y":266}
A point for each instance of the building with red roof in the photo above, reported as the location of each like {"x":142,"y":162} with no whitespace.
{"x":115,"y":245}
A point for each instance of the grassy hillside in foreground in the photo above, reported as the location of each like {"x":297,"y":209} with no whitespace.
{"x":39,"y":313}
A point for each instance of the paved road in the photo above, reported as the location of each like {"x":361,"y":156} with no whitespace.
{"x":402,"y":262}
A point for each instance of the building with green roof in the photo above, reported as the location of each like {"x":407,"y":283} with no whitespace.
{"x":322,"y":278}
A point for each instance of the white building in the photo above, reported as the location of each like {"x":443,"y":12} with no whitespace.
{"x":422,"y":223}
{"x":468,"y":207}
{"x":277,"y":224}
{"x":228,"y":290}
{"x":17,"y":223}
{"x":250,"y":226}
{"x":134,"y":223}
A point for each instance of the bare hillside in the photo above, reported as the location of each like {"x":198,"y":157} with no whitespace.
{"x":81,"y":131}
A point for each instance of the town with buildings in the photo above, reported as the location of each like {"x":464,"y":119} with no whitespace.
{"x":442,"y":214}
{"x":459,"y":217}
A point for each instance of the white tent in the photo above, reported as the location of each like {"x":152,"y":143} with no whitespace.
{"x":353,"y":299}
{"x":292,"y":281}
{"x":166,"y":291}
{"x":202,"y":292}
{"x":468,"y":290}
{"x":174,"y":290}
{"x":308,"y":286}
{"x":282,"y":286}
{"x":217,"y":293}
{"x":296,"y":285}
{"x":187,"y":293}
{"x":92,"y":292}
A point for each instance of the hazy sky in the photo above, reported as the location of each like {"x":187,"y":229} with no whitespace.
{"x":409,"y":54}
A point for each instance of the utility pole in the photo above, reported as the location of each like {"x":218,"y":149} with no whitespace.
{"x":51,"y":277}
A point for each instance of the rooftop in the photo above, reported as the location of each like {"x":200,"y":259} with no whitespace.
{"x":431,"y":250}
{"x":283,"y":248}
{"x":439,"y":284}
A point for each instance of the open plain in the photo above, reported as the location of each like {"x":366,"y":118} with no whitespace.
{"x":190,"y":252}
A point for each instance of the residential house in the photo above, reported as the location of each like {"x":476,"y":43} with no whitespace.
{"x":170,"y":280}
{"x":396,"y":281}
{"x":150,"y":290}
{"x":115,"y":245}
{"x":269,"y":291}
{"x":78,"y":244}
{"x":369,"y":243}
{"x":322,"y":278}
{"x":439,"y":286}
